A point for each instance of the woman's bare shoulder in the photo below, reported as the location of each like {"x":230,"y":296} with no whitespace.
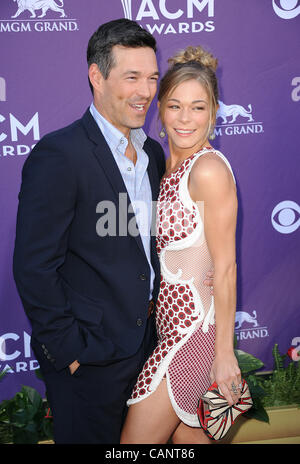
{"x":211,"y":169}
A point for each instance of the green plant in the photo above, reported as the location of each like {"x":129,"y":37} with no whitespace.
{"x":24,"y":417}
{"x":248,"y":365}
{"x":282,"y":386}
{"x":5,"y":436}
{"x":279,"y":387}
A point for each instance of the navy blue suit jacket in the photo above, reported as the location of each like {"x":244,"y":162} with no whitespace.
{"x":85,"y":295}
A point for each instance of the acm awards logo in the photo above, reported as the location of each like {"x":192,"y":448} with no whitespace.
{"x":32,"y":14}
{"x":2,"y":89}
{"x":286,"y":9}
{"x":15,"y":353}
{"x":193,"y":16}
{"x":247,"y":326}
{"x":236,"y":120}
{"x":15,"y":132}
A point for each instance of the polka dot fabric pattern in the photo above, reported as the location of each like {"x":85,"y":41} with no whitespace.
{"x":184,"y":309}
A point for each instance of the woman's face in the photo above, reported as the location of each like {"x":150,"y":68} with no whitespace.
{"x":186,"y":118}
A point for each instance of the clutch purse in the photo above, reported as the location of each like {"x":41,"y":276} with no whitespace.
{"x":214,"y":413}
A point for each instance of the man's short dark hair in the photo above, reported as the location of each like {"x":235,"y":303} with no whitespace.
{"x":118,"y":32}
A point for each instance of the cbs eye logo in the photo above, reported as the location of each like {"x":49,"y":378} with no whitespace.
{"x":286,"y":217}
{"x":288,"y":9}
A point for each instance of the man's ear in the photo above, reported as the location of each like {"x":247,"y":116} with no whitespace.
{"x":95,"y":77}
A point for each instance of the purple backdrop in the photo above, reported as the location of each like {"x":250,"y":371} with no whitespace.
{"x":43,"y":86}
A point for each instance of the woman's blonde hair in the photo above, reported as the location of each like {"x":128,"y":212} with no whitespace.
{"x":191,"y":63}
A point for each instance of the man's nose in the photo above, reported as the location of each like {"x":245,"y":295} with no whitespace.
{"x":144,"y":89}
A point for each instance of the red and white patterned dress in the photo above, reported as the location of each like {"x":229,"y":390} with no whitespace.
{"x":185,"y":308}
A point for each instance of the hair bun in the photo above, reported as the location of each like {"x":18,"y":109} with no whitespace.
{"x":196,"y":54}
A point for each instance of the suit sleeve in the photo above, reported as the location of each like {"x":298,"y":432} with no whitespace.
{"x":46,"y":208}
{"x":161,"y":160}
{"x":162,"y":163}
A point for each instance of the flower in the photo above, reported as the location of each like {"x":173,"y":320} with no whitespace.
{"x":293,"y":353}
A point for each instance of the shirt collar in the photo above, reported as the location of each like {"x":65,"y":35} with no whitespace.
{"x":114,"y":137}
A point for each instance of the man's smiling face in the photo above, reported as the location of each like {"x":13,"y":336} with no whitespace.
{"x":125,"y":96}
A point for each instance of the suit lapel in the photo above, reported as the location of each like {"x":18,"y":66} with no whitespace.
{"x":152,"y":171}
{"x":109,"y":166}
{"x":103,"y":154}
{"x":154,"y":182}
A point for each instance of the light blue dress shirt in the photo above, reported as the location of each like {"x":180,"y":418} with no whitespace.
{"x":135,"y":177}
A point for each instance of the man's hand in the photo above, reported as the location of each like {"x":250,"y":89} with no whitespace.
{"x":209,"y":281}
{"x":74,"y":366}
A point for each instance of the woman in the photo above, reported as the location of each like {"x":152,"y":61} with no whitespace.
{"x":196,"y":223}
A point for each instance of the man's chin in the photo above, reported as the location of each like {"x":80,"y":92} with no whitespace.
{"x":138,"y":127}
{"x":138,"y":124}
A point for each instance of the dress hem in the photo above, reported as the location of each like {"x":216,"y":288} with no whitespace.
{"x":189,"y":419}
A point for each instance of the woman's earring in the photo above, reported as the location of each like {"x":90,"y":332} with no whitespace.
{"x":162,"y":133}
{"x":212,"y":135}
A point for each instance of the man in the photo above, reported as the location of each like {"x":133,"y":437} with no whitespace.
{"x":89,"y":294}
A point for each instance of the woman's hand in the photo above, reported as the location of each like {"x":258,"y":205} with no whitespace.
{"x":226,"y":372}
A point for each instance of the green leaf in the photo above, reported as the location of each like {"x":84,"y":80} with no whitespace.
{"x":20,"y":418}
{"x":39,"y":374}
{"x":47,"y":428}
{"x":35,"y":400}
{"x":24,"y":436}
{"x":247,"y":362}
{"x":256,"y":390}
{"x":3,"y":374}
{"x":235,"y":341}
{"x":259,"y":414}
{"x":24,"y":415}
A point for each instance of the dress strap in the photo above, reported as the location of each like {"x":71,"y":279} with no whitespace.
{"x":184,"y":194}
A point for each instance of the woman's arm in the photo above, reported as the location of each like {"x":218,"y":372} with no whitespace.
{"x":211,"y":182}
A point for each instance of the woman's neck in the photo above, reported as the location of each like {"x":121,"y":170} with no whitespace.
{"x":178,"y":155}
